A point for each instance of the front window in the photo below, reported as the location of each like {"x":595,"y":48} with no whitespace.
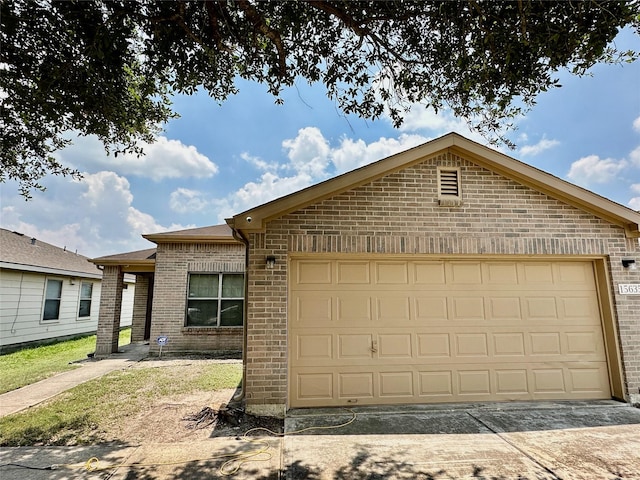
{"x":215,"y":300}
{"x":86,"y":289}
{"x":53,"y":296}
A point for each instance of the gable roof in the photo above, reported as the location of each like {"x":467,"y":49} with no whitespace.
{"x":212,"y":234}
{"x":255,"y":219}
{"x":139,"y":261}
{"x":22,"y":252}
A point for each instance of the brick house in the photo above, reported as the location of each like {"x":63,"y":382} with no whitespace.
{"x":446,"y":273}
{"x":191,"y":285}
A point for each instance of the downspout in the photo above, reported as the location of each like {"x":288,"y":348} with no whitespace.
{"x":237,"y":234}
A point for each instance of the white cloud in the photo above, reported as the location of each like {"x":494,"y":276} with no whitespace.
{"x":634,"y":156}
{"x":309,"y":152}
{"x":635,"y":201}
{"x":356,"y":153}
{"x":184,"y":200}
{"x":259,"y":163}
{"x":539,"y":147}
{"x":310,"y":160}
{"x":636,"y":124}
{"x":94,"y":216}
{"x":163,"y":159}
{"x":593,"y":169}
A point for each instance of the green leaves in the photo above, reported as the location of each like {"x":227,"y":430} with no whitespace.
{"x":109,"y":67}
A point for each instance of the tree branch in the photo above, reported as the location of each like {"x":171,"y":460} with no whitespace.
{"x":259,"y":23}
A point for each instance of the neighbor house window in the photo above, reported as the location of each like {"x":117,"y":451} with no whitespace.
{"x":215,"y":300}
{"x":53,"y":295}
{"x":86,"y":289}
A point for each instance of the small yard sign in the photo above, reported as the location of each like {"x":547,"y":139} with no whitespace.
{"x":162,"y":341}
{"x":629,"y":288}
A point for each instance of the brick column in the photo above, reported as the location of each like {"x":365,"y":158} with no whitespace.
{"x":140,"y":299}
{"x":110,"y":307}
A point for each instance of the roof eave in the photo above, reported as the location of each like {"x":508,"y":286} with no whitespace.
{"x":50,"y":270}
{"x":157,"y":239}
{"x":553,"y":186}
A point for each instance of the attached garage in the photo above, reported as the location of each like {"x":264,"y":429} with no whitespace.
{"x":446,"y":273}
{"x":398,"y":330}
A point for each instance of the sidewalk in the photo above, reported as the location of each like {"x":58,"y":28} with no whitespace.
{"x":26,"y":397}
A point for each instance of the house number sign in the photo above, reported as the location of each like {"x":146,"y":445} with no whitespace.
{"x":629,"y":288}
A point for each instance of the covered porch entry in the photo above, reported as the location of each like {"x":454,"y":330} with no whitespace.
{"x":140,"y":263}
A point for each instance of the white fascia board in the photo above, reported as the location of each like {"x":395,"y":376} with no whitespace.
{"x":51,"y":271}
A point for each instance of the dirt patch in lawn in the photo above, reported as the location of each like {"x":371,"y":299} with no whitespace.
{"x":188,"y":417}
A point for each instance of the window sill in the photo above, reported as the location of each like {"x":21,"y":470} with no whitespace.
{"x":211,"y":330}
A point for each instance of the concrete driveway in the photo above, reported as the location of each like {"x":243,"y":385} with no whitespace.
{"x":524,"y":441}
{"x":516,"y":441}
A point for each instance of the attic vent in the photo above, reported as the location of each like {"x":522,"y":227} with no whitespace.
{"x":449,"y":192}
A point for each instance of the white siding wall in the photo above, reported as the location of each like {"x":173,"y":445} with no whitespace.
{"x":126,"y":314}
{"x":22,"y":300}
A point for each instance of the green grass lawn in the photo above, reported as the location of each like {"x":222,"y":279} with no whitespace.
{"x":33,"y":364}
{"x":79,"y":416}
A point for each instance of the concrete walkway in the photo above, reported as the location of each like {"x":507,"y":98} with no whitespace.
{"x":26,"y":397}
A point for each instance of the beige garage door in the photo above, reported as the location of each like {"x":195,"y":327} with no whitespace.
{"x":383,"y":331}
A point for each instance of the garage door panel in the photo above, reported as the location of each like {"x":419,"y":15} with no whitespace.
{"x":465,"y":273}
{"x":438,"y":385}
{"x":592,"y":379}
{"x":474,"y":382}
{"x":502,"y":273}
{"x":466,"y":308}
{"x":313,"y":272}
{"x":579,"y":309}
{"x":355,"y":385}
{"x":439,"y":331}
{"x":396,"y":384}
{"x":311,"y":347}
{"x":538,"y":274}
{"x":353,"y":309}
{"x":510,"y":382}
{"x":433,"y":345}
{"x":430,"y":310}
{"x":391,"y":273}
{"x":471,"y":345}
{"x":509,"y":344}
{"x":353,"y":273}
{"x":504,"y":309}
{"x":393,"y":309}
{"x":313,"y":309}
{"x":314,"y":387}
{"x":429,"y":273}
{"x":395,"y":345}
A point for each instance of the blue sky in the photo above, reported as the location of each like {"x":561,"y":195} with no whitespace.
{"x":218,"y":160}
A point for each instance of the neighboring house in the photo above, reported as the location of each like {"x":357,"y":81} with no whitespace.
{"x":48,"y":293}
{"x":446,"y":273}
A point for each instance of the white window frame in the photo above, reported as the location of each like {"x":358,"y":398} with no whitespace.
{"x":81,"y":299}
{"x":45,"y":299}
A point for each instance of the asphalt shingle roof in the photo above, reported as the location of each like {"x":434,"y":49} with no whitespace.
{"x":24,"y":251}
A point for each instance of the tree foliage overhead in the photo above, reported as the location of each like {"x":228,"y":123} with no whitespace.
{"x":109,"y":67}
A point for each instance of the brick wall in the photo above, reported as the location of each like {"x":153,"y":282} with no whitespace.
{"x":173,"y":263}
{"x":110,"y":307}
{"x":399,"y":214}
{"x":140,"y":298}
